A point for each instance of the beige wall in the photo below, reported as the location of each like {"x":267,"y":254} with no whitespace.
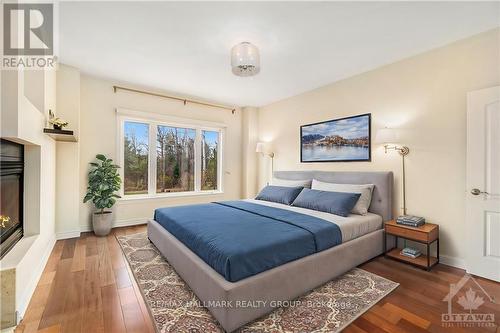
{"x":98,"y":135}
{"x":249,"y":141}
{"x":425,"y":96}
{"x":68,"y":155}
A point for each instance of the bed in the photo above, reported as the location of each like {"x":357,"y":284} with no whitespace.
{"x":244,"y":285}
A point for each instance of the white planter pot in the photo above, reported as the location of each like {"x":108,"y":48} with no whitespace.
{"x":102,"y":222}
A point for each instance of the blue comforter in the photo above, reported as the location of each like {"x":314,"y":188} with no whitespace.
{"x":239,"y":239}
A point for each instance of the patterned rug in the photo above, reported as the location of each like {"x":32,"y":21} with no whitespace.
{"x":175,"y":308}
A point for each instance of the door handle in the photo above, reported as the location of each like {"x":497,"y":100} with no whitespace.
{"x":476,"y":191}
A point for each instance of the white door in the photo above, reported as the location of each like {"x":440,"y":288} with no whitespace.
{"x":483,"y":183}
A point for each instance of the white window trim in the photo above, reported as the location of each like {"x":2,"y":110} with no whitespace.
{"x":153,"y":120}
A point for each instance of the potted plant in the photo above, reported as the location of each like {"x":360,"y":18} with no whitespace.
{"x":104,"y":181}
{"x":57,"y":123}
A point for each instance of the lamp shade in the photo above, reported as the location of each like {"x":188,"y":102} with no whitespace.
{"x":259,"y":148}
{"x":245,"y":59}
{"x":387,"y":135}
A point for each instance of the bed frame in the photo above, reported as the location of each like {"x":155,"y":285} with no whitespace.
{"x":284,"y":282}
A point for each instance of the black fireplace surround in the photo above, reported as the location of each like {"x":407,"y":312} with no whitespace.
{"x":11,"y":194}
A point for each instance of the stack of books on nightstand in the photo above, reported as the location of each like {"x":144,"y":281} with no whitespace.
{"x":411,"y":252}
{"x":410,"y":220}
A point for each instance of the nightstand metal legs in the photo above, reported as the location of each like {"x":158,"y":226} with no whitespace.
{"x":437,"y":253}
{"x":428,"y":256}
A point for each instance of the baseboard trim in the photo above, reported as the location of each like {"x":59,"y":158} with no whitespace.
{"x":452,"y":261}
{"x":118,"y":224}
{"x":9,"y":329}
{"x":30,"y":288}
{"x":68,"y":234}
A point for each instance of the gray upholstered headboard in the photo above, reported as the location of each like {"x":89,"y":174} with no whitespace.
{"x":382,"y":194}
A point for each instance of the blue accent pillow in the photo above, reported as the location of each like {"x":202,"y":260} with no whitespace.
{"x":338,"y":203}
{"x":279,"y":194}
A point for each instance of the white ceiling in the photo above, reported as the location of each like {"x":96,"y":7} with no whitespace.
{"x":183,"y":47}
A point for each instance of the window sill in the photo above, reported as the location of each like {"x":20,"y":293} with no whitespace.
{"x":168,"y":195}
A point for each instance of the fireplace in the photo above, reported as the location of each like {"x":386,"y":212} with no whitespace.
{"x":11,"y":194}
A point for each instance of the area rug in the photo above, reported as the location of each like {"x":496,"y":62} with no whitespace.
{"x":175,"y":308}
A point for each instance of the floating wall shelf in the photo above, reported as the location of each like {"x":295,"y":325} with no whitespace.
{"x":60,"y":135}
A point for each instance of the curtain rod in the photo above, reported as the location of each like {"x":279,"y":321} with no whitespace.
{"x":184,"y":100}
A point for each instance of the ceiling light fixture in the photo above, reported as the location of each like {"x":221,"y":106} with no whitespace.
{"x":245,"y":59}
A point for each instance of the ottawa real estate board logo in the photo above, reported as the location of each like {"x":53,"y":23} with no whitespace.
{"x":471,"y":305}
{"x":28,"y":35}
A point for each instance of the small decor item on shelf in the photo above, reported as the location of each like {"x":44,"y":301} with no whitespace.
{"x":104,"y":182}
{"x":411,"y":252}
{"x":411,"y":220}
{"x":56,"y":122}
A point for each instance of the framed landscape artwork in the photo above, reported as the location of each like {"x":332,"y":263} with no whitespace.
{"x":338,"y":140}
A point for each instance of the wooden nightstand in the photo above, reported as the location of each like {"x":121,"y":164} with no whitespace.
{"x":426,"y":234}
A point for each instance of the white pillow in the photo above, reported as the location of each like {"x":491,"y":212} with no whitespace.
{"x":361,"y":207}
{"x":291,"y":183}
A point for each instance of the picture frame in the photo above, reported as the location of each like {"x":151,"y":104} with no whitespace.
{"x":345,"y":139}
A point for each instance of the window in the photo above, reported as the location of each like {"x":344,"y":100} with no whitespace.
{"x":174,"y":159}
{"x":209,"y":143}
{"x":136,"y":149}
{"x":162,"y":159}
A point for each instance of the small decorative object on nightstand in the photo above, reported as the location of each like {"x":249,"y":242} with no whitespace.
{"x":425,"y":234}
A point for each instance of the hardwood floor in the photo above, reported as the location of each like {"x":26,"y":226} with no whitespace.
{"x":87,"y":286}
